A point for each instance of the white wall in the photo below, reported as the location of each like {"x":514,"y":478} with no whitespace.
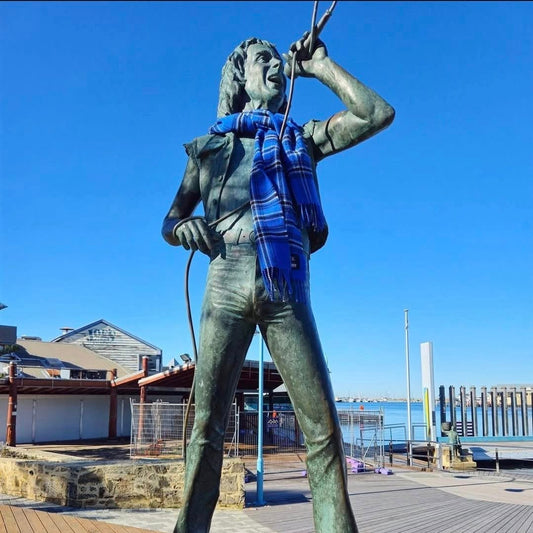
{"x":55,"y":417}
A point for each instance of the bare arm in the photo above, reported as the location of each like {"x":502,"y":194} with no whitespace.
{"x":366,"y":114}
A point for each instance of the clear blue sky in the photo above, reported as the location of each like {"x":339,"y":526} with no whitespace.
{"x":433,"y":215}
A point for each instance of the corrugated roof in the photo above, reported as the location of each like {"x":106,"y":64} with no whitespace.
{"x":72,"y":355}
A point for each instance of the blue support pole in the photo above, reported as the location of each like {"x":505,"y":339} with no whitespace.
{"x":260,"y":462}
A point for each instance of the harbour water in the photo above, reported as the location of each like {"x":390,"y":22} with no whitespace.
{"x":395,"y":415}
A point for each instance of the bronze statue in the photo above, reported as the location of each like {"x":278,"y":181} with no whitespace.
{"x":259,"y":259}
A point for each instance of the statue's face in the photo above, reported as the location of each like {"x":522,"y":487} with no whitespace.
{"x":265,"y":82}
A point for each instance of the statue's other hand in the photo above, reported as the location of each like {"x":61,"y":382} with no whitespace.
{"x":195,"y":234}
{"x":306,"y":62}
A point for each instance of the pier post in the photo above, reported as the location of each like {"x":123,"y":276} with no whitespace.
{"x":514,"y":418}
{"x":528,"y":410}
{"x":453,"y":418}
{"x":462,"y":399}
{"x":484,"y":414}
{"x":473,"y":409}
{"x":493,"y":410}
{"x":523,"y":411}
{"x":505,"y":422}
{"x":442,"y":407}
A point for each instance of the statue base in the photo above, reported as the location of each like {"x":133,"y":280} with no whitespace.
{"x":452,"y":458}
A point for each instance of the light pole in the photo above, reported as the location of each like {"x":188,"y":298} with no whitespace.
{"x":260,"y":461}
{"x":409,"y":429}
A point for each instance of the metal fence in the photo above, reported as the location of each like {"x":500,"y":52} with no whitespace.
{"x":362,"y":433}
{"x":281,"y":433}
{"x":157,"y":430}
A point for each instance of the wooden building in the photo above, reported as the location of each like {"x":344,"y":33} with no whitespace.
{"x":115,"y":344}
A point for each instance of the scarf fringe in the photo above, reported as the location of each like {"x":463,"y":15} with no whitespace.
{"x":281,"y":287}
{"x":311,"y":218}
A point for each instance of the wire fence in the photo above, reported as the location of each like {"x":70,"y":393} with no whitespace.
{"x":281,"y":433}
{"x":157,"y":430}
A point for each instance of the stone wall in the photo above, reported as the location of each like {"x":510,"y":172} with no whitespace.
{"x":135,"y":484}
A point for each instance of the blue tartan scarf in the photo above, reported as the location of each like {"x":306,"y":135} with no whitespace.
{"x":284,"y":198}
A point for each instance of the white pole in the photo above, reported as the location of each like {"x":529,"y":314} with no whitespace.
{"x":260,"y":500}
{"x":409,"y":428}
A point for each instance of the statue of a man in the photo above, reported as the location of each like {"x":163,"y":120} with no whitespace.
{"x":259,"y":260}
{"x":455,"y":441}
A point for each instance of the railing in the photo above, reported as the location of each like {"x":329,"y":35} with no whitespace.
{"x":498,"y":458}
{"x":511,"y":457}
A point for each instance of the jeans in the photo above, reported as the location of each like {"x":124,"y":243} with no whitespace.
{"x":235,"y":301}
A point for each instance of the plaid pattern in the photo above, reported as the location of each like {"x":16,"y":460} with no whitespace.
{"x":284,"y":198}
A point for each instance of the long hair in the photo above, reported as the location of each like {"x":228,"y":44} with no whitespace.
{"x":232,"y":97}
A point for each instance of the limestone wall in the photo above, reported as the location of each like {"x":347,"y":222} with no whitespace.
{"x":96,"y":484}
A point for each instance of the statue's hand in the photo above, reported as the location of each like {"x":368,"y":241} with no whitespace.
{"x":195,"y":234}
{"x":306,"y":62}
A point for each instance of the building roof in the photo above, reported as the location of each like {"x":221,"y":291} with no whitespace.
{"x":182,"y":376}
{"x":44,"y":356}
{"x":103,"y":322}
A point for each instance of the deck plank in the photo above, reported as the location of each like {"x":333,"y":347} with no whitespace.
{"x":94,"y":526}
{"x":63,"y":524}
{"x":21,"y":520}
{"x":2,"y":525}
{"x":33,"y":520}
{"x":46,"y":520}
{"x":9,"y":520}
{"x":24,"y":520}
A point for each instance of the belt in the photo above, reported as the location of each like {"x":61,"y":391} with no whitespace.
{"x":239,"y":236}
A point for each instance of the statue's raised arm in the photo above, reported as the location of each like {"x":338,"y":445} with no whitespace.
{"x":367,"y":113}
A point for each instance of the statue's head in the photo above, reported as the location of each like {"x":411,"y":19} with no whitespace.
{"x":252,"y":72}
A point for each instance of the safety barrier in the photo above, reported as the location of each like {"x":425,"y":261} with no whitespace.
{"x":157,"y":430}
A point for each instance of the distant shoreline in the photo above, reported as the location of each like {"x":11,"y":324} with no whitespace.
{"x":347,"y":399}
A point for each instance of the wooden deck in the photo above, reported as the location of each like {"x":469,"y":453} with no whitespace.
{"x":23,"y":520}
{"x":400,"y":505}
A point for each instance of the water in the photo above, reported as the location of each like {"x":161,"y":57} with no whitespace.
{"x":394,"y":413}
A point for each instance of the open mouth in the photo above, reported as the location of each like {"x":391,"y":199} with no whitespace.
{"x":275,"y":78}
